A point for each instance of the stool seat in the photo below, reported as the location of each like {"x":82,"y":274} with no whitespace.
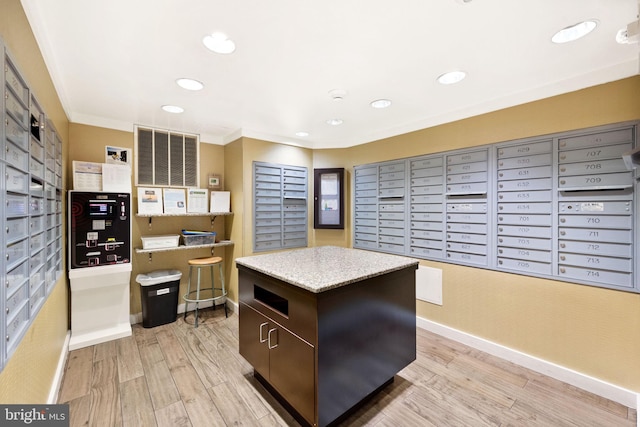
{"x":210,"y":295}
{"x":205,"y":261}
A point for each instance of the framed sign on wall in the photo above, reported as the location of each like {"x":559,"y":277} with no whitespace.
{"x":328,"y":198}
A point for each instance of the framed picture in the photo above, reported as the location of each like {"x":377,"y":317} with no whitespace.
{"x":215,"y":182}
{"x":328,"y":197}
{"x":117,"y":155}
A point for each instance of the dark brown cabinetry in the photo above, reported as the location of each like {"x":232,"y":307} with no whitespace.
{"x":322,"y":353}
{"x":279,"y":357}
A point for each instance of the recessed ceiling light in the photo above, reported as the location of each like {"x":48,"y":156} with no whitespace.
{"x":574,"y":32}
{"x":190,"y":84}
{"x":219,"y":43}
{"x":380,"y":103}
{"x":334,"y":122}
{"x":172,"y":109}
{"x":338,"y":94}
{"x":451,"y":77}
{"x":302,"y":134}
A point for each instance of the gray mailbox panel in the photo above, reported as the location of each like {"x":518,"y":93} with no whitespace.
{"x":31,"y":218}
{"x":560,"y":206}
{"x":280,"y":206}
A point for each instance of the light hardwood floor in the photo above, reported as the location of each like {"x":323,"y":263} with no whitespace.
{"x":177,"y":375}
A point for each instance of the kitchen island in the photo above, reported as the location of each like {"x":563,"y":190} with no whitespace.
{"x":324,"y":328}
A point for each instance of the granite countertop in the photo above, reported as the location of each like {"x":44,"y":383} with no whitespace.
{"x":326,"y":267}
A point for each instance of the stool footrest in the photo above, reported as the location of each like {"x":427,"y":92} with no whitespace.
{"x":186,"y":297}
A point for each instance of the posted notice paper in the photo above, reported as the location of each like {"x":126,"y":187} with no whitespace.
{"x":220,"y":201}
{"x":87,"y":176}
{"x":197,"y":200}
{"x":174,"y":200}
{"x":150,"y":200}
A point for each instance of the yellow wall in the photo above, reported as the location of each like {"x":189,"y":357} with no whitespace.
{"x":87,"y":143}
{"x":591,"y":330}
{"x":262,"y":151}
{"x":334,"y":159}
{"x":28,"y":376}
{"x":234,"y":182}
{"x":233,"y":161}
{"x":587,"y":329}
{"x":239,"y":157}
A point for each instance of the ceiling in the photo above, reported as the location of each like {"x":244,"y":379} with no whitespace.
{"x":114,"y":63}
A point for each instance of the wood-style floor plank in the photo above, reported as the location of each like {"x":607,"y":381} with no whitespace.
{"x":104,"y":350}
{"x":231,"y":406}
{"x":137,"y":408}
{"x":105,"y":395}
{"x":76,"y":381}
{"x":436,"y":407}
{"x":173,"y":415}
{"x":554,"y":387}
{"x":193,"y":393}
{"x":80,"y":411}
{"x":162,"y":389}
{"x":178,"y":375}
{"x":104,"y":372}
{"x":384,"y":405}
{"x":482,"y":371}
{"x":271,"y":420}
{"x":188,"y":383}
{"x":205,"y":362}
{"x":173,"y":352}
{"x":129,"y":363}
{"x":545,"y":398}
{"x":144,"y":336}
{"x":105,"y":405}
{"x":240,"y":377}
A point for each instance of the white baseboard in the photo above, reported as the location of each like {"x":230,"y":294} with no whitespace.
{"x":59,"y":374}
{"x":609,"y":391}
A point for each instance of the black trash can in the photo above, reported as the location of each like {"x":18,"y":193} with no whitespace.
{"x":159,"y":295}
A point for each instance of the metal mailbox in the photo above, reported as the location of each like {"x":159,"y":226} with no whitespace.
{"x":525,"y":265}
{"x":524,"y":231}
{"x":527,"y":185}
{"x":525,"y":149}
{"x":525,"y":196}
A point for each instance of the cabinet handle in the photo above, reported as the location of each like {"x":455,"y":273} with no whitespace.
{"x":261,"y":338}
{"x":269,"y":336}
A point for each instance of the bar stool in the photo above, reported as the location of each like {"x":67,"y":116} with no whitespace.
{"x":199,"y":264}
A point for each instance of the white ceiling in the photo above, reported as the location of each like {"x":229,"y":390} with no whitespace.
{"x":114,"y":63}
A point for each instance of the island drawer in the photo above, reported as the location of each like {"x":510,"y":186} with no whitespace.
{"x":292,"y":307}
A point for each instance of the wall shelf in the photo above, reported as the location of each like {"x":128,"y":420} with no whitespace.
{"x":149,"y":215}
{"x":183,"y":247}
{"x":213,"y":216}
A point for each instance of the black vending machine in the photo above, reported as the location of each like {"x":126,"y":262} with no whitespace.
{"x":99,"y":266}
{"x":100,"y":229}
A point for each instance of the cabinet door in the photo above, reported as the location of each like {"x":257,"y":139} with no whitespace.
{"x":292,"y":370}
{"x":253,"y":330}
